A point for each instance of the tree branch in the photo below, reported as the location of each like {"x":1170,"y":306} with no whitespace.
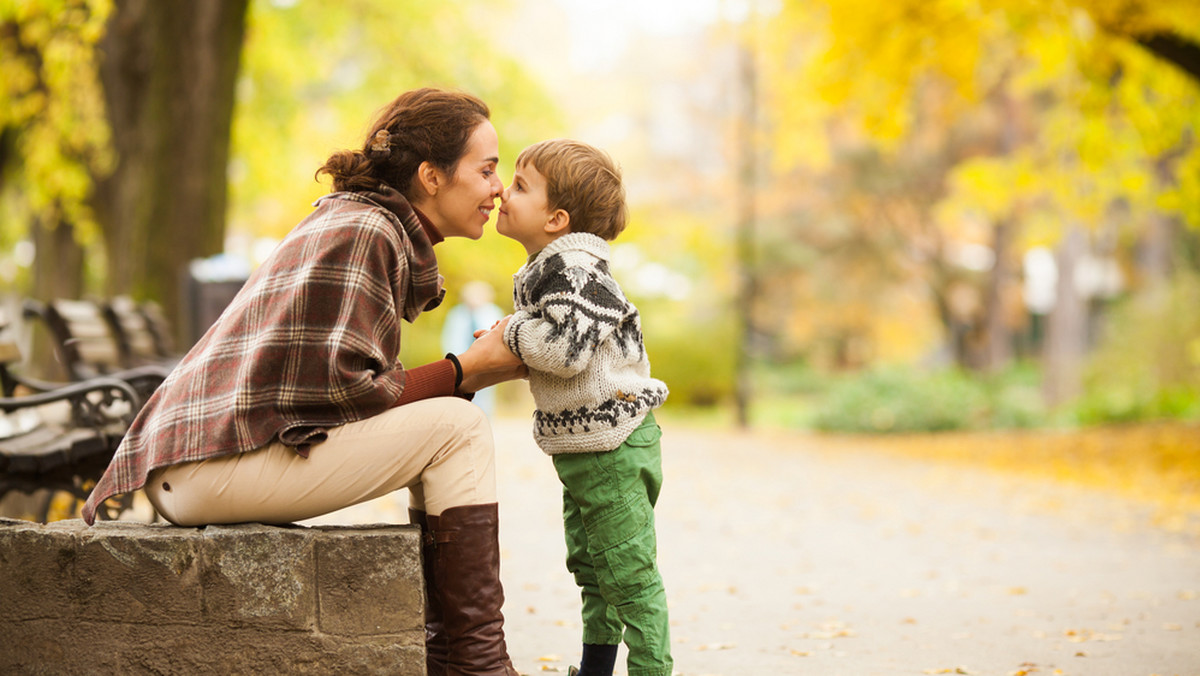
{"x":1175,"y":49}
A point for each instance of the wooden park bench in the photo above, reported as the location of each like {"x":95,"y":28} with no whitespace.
{"x":142,"y":333}
{"x":91,"y":339}
{"x":59,"y":437}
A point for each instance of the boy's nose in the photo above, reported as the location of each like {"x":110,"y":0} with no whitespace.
{"x":504,"y":195}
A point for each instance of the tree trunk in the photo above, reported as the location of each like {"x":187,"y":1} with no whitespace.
{"x":168,"y":68}
{"x":58,"y":272}
{"x":1066,"y":331}
{"x":999,"y":335}
{"x":746,"y":206}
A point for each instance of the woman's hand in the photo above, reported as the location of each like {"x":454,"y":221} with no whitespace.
{"x":489,"y":361}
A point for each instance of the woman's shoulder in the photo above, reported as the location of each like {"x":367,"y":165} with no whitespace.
{"x":348,"y":210}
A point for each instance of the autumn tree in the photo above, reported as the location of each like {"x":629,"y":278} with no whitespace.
{"x":53,"y":138}
{"x":1088,"y":120}
{"x":138,"y":129}
{"x":168,"y":70}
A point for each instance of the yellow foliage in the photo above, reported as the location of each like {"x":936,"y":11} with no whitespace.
{"x":53,"y":104}
{"x":1102,"y":109}
{"x":1158,"y":463}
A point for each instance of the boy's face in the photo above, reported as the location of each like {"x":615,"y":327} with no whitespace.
{"x":524,"y":211}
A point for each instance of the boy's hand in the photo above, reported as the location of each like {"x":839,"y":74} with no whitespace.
{"x":498,"y":322}
{"x":489,"y":361}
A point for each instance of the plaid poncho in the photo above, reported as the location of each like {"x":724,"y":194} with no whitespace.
{"x":309,"y":343}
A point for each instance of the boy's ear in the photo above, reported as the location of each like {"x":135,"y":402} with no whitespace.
{"x":559,"y":222}
{"x":429,"y":177}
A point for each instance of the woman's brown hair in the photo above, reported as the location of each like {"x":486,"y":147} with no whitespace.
{"x":422,"y":125}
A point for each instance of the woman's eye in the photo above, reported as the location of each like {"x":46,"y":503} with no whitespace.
{"x":488,"y":173}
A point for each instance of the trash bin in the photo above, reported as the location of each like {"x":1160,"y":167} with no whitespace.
{"x":210,"y":284}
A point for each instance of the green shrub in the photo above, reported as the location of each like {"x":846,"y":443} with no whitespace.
{"x":695,"y":361}
{"x":1148,"y":364}
{"x":896,"y":400}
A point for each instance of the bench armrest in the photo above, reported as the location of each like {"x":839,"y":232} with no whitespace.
{"x":84,"y":409}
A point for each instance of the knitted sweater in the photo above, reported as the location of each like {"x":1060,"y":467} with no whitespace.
{"x":582,"y":342}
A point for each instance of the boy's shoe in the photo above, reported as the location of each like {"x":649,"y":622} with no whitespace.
{"x":572,"y":671}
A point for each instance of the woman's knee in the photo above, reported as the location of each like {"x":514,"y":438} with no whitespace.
{"x":464,"y":472}
{"x":474,"y":429}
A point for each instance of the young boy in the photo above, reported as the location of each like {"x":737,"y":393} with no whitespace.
{"x":582,"y":342}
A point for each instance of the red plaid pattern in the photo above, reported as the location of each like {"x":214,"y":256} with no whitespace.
{"x":310,"y":343}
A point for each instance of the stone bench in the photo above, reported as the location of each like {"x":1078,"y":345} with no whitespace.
{"x":132,"y":598}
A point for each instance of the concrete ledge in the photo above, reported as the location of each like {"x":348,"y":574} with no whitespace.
{"x":122,"y":597}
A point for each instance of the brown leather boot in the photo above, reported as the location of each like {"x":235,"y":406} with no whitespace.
{"x":467,"y":576}
{"x":437,"y":644}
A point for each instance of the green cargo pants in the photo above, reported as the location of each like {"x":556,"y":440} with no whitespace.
{"x":608,"y":517}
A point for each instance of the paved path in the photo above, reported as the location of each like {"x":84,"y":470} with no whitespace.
{"x":785,"y":556}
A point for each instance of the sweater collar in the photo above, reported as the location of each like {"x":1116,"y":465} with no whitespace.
{"x":435,"y":235}
{"x":575,"y":241}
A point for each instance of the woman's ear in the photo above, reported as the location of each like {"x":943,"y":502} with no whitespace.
{"x":430,"y":179}
{"x":559,"y":222}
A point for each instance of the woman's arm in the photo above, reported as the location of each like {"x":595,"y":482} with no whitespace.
{"x":436,"y":379}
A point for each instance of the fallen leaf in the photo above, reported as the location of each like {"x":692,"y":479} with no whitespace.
{"x":1085,"y":635}
{"x":550,"y":658}
{"x":802,"y":653}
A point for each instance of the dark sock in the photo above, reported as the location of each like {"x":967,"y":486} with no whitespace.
{"x":598,"y":660}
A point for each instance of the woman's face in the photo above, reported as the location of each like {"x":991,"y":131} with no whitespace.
{"x":463,"y":203}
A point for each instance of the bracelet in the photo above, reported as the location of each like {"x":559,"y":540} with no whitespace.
{"x":458,"y":374}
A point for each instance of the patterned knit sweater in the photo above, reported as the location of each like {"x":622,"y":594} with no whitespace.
{"x":582,"y":341}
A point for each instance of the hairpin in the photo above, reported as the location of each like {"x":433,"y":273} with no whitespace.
{"x":382,"y":142}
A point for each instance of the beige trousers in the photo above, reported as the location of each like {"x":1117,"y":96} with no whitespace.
{"x":440,"y":449}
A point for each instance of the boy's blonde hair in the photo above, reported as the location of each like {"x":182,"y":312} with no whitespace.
{"x":583,"y":181}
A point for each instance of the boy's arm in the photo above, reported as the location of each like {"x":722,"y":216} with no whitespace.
{"x":572,"y":312}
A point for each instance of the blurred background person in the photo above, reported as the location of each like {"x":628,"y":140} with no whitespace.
{"x":475,"y":312}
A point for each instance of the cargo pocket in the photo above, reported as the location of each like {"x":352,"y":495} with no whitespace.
{"x":625,"y":542}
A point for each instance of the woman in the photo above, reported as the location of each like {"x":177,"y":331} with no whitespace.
{"x":293,"y":404}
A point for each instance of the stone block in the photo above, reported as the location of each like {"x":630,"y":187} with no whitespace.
{"x":36,"y":566}
{"x":369,"y":580}
{"x":155,"y":599}
{"x":137,"y":573}
{"x":259,"y":575}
